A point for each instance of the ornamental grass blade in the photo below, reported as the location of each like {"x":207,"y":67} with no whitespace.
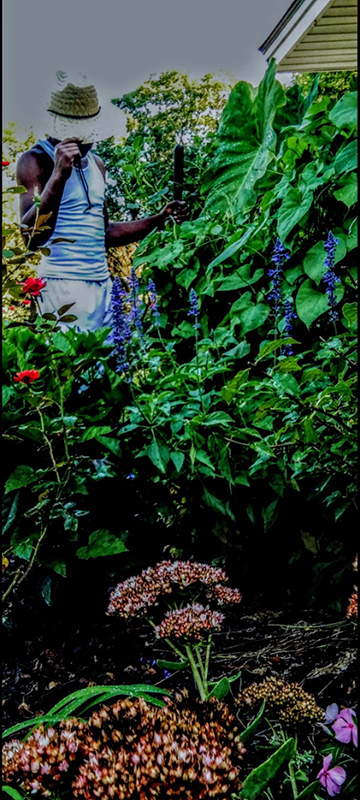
{"x":245,"y":144}
{"x":12,"y":793}
{"x":85,"y":699}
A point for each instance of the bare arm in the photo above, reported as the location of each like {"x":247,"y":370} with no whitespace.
{"x":32,"y":174}
{"x":120,"y":233}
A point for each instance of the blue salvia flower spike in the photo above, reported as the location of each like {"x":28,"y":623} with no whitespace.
{"x":194,"y":308}
{"x":330,"y":278}
{"x":135,"y":314}
{"x":280,"y":255}
{"x":153,"y":301}
{"x":121,"y":328}
{"x":289,"y":317}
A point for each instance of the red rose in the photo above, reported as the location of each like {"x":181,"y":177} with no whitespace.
{"x":26,"y":302}
{"x":27,"y":376}
{"x":33,"y":286}
{"x":6,"y":163}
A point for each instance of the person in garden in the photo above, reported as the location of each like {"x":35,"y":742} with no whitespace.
{"x":65,"y":185}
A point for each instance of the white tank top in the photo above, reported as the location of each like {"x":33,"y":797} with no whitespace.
{"x":85,"y":258}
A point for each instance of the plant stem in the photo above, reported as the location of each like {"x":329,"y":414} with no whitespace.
{"x":195,"y":672}
{"x":207,"y":657}
{"x":173,"y":647}
{"x":293,"y":780}
{"x":201,"y":665}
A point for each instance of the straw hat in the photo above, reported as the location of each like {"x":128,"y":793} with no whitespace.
{"x":74,"y":110}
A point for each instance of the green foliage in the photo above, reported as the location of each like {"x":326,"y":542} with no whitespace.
{"x":81,"y":701}
{"x":261,"y":776}
{"x":226,"y":438}
{"x":161,"y":113}
{"x":331,"y":84}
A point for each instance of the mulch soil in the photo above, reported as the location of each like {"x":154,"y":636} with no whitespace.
{"x":46,"y":659}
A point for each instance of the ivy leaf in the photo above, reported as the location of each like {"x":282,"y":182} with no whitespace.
{"x":102,"y":543}
{"x":350,"y":311}
{"x":293,"y":208}
{"x":348,"y":190}
{"x":22,"y":476}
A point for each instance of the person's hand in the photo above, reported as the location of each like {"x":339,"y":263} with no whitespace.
{"x":65,"y":154}
{"x":177,"y":209}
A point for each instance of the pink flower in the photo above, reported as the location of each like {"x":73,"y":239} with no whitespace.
{"x":331,"y":779}
{"x":345,"y":728}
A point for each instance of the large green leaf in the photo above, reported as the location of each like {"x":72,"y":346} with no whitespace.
{"x":101,"y":543}
{"x":315,"y":258}
{"x":246,"y":144}
{"x":293,"y":208}
{"x":347,"y":192}
{"x":344,"y":113}
{"x":346,"y":158}
{"x":22,"y":476}
{"x":310,"y":303}
{"x":261,"y":776}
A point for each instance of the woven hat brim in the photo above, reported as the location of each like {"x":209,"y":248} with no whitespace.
{"x":110,"y":121}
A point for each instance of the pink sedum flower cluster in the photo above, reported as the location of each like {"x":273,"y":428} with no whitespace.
{"x":137,"y":594}
{"x":191,"y":622}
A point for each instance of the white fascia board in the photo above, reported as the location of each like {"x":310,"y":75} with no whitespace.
{"x":296,"y":27}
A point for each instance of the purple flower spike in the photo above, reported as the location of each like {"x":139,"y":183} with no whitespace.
{"x":331,"y":779}
{"x":330,"y":279}
{"x":289,"y":317}
{"x":194,"y":307}
{"x":135,"y":314}
{"x":121,"y":330}
{"x":280,"y":255}
{"x":345,"y":727}
{"x":153,"y":301}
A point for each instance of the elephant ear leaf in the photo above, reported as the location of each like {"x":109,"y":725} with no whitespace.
{"x":245,"y":144}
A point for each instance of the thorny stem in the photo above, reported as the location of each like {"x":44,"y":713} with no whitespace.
{"x":48,"y":442}
{"x":18,"y":579}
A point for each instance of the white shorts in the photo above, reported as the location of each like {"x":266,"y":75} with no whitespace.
{"x":92,"y":302}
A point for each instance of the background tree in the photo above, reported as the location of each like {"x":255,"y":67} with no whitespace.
{"x":331,"y":84}
{"x":162,"y":112}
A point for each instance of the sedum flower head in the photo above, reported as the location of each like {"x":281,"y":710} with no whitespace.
{"x":191,"y":622}
{"x":139,"y":593}
{"x":132,"y":750}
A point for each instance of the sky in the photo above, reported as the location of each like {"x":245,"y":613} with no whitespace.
{"x":118,"y":44}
